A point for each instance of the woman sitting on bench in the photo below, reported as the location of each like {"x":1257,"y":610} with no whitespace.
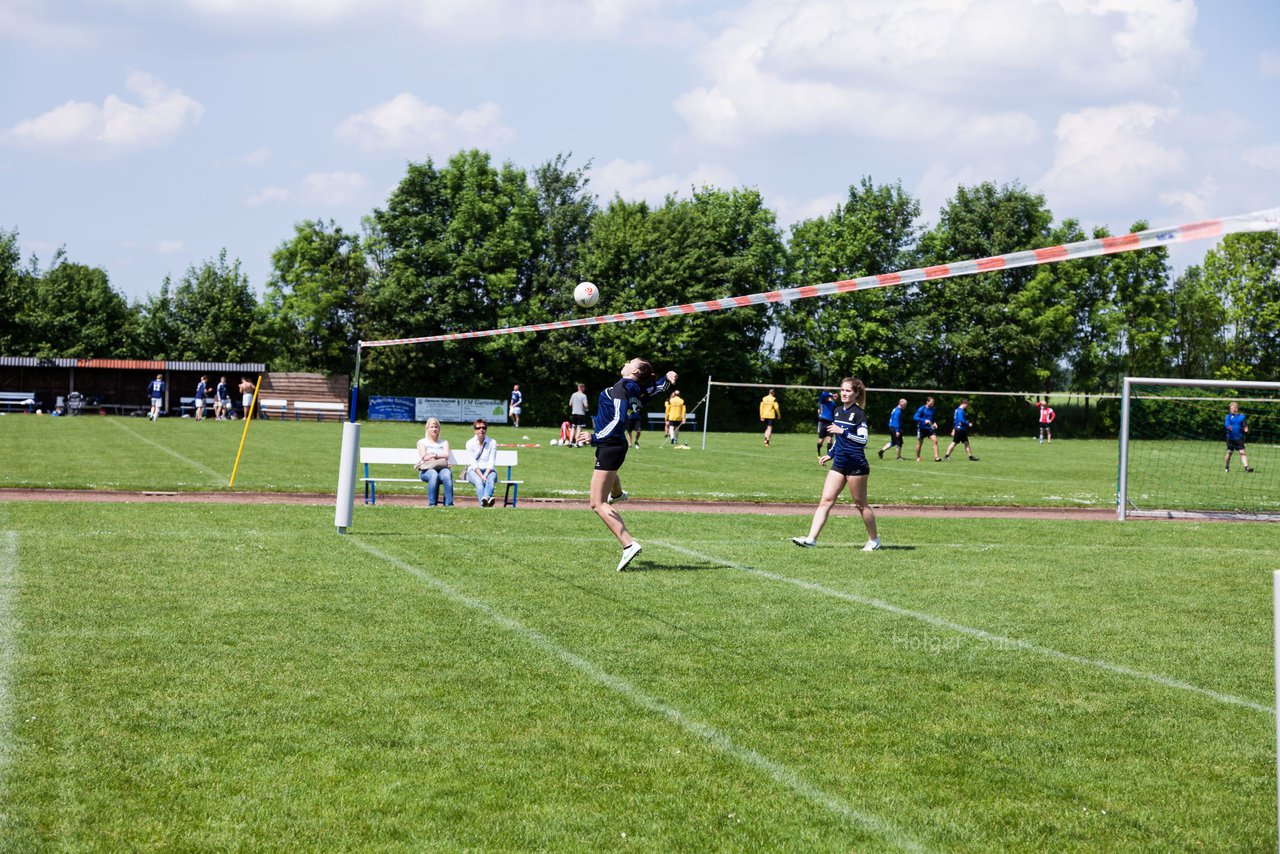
{"x":433,"y":464}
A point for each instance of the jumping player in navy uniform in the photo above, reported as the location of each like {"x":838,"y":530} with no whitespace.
{"x":895,"y":429}
{"x":627,"y":396}
{"x":849,"y":465}
{"x":927,"y":428}
{"x":960,"y":430}
{"x":826,"y":415}
{"x":1236,"y":428}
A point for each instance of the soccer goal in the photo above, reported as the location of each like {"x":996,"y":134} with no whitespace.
{"x":1177,"y":459}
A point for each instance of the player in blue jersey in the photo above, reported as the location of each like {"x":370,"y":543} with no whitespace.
{"x":202,"y":389}
{"x":1236,"y":428}
{"x":960,"y":430}
{"x":927,"y":428}
{"x":627,"y":396}
{"x":895,"y":428}
{"x":826,"y":416}
{"x":155,"y":389}
{"x":849,"y":466}
{"x":516,"y":405}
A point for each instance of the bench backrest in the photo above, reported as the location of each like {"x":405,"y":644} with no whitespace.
{"x":318,"y":405}
{"x":17,"y":395}
{"x":409,"y":457}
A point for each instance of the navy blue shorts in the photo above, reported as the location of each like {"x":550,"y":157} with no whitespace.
{"x":895,"y":438}
{"x":1235,"y":445}
{"x":851,"y":466}
{"x":924,"y":432}
{"x":823,"y":424}
{"x":962,"y":436}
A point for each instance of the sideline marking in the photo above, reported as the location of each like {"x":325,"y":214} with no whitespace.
{"x":8,"y":656}
{"x":201,"y":466}
{"x":780,"y":773}
{"x":980,"y":634}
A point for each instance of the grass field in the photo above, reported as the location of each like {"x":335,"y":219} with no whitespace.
{"x":180,"y":454}
{"x":233,"y":677}
{"x":242,"y":678}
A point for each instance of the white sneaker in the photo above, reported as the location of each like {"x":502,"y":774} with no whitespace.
{"x":804,"y":542}
{"x":621,"y":498}
{"x":872,"y":545}
{"x":628,"y":554}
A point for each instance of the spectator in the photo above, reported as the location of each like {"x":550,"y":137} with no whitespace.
{"x":433,"y":464}
{"x":483,"y":471}
{"x":578,"y":416}
{"x":246,"y":398}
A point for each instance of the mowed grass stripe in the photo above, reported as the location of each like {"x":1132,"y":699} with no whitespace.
{"x":979,"y":634}
{"x":221,"y":479}
{"x":778,"y":772}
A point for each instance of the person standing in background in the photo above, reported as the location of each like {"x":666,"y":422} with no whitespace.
{"x":246,"y":398}
{"x":515,"y":406}
{"x":769,"y":413}
{"x":155,"y":389}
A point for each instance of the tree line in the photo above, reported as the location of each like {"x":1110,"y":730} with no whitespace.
{"x":472,"y":245}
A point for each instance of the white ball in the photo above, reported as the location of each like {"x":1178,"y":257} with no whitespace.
{"x":586,"y":294}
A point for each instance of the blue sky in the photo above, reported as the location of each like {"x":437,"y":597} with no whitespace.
{"x":145,"y":136}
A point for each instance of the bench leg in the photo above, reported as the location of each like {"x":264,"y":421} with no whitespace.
{"x":512,"y":495}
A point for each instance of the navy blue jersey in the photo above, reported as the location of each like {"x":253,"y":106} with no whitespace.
{"x":827,"y":406}
{"x":924,"y":416}
{"x":623,"y":400}
{"x":200,"y":390}
{"x":516,"y":398}
{"x":895,"y":420}
{"x":156,"y":389}
{"x":852,"y":443}
{"x":961,"y":419}
{"x":221,"y":392}
{"x":1235,"y":426}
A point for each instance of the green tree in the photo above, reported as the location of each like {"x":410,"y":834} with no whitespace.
{"x":71,"y":310}
{"x":827,"y":338}
{"x":1197,"y":338}
{"x":314,"y":295}
{"x":1245,"y":270}
{"x":1145,"y":309}
{"x":15,"y":287}
{"x":157,"y":327}
{"x":971,"y":332}
{"x":453,"y":251}
{"x":216,"y":317}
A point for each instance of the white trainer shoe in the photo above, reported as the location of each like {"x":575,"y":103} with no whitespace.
{"x":619,"y":499}
{"x":628,"y":554}
{"x":872,"y":545}
{"x":804,"y":542}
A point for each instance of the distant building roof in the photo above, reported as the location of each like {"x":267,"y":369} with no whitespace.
{"x":131,"y":364}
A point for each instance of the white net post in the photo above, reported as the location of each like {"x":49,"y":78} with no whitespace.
{"x":1275,"y":605}
{"x":1122,"y":481}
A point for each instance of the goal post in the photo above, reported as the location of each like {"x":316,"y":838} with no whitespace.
{"x":1175,"y":458}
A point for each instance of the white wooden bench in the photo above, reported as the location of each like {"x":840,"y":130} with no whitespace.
{"x":320,"y":409}
{"x":659,"y":419}
{"x":268,"y":406}
{"x":409,"y":457}
{"x":25,"y":400}
{"x":185,"y":403}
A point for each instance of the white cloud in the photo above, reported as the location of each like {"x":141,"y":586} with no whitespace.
{"x":169,"y":247}
{"x":1269,"y":63}
{"x":160,"y":115}
{"x":1196,"y":203}
{"x":257,"y":157}
{"x":1107,"y":154}
{"x":636,"y":180}
{"x":965,"y":72}
{"x":407,"y":124}
{"x":267,"y":195}
{"x":1263,"y":157}
{"x":333,"y":188}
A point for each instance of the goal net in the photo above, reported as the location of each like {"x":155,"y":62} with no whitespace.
{"x":1174,"y":449}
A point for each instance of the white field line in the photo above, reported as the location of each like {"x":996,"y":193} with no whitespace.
{"x":222,"y":480}
{"x":996,"y":640}
{"x":8,"y":657}
{"x":779,"y":773}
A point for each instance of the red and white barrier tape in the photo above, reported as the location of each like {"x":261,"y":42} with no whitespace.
{"x":1268,"y":220}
